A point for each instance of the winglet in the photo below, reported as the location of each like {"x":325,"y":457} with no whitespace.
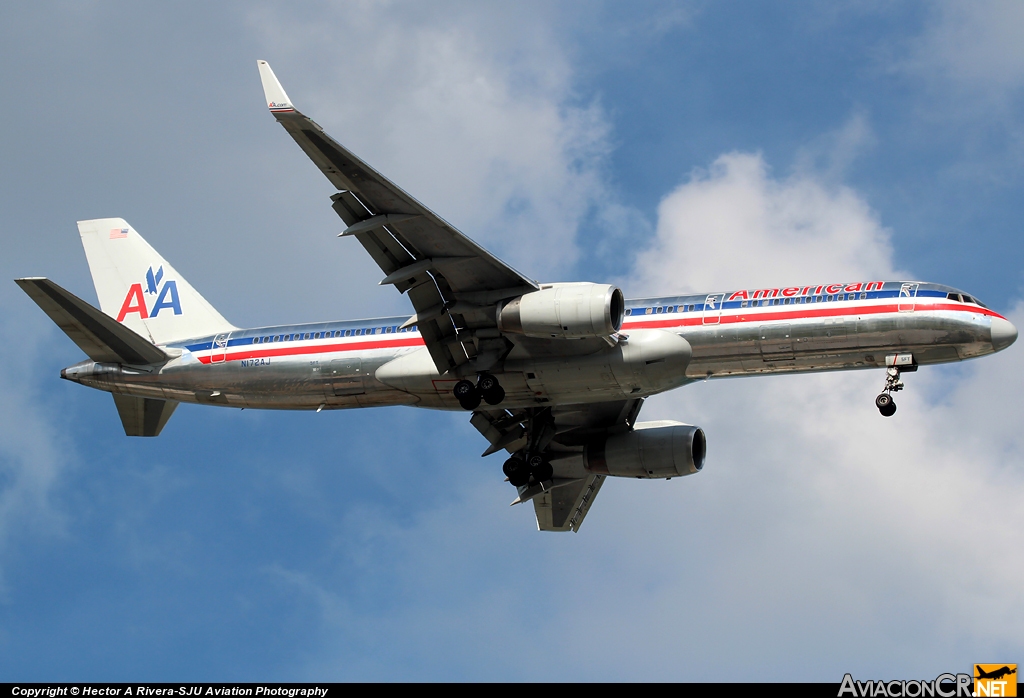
{"x":276,"y":97}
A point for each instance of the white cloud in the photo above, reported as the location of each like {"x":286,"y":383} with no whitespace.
{"x":973,"y":45}
{"x":891,"y":538}
{"x":32,"y":453}
{"x":736,"y":225}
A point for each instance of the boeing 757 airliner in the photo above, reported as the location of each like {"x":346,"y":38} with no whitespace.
{"x":554,"y":374}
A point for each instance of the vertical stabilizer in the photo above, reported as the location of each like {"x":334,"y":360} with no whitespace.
{"x":138,"y":288}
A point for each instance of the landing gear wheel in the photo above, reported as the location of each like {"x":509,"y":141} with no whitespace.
{"x":494,"y":396}
{"x":517,"y":471}
{"x":540,"y":469}
{"x":543,"y":472}
{"x":490,"y":389}
{"x":467,"y":395}
{"x":885,"y":405}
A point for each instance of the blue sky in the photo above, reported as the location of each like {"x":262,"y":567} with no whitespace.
{"x":665,"y":146}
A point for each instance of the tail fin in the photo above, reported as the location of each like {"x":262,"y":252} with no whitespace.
{"x":138,"y":288}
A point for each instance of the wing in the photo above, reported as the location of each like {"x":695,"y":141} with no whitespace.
{"x":560,"y":434}
{"x":453,"y":283}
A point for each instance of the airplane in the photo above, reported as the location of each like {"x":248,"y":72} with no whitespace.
{"x":554,"y":374}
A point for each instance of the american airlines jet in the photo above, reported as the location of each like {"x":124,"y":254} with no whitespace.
{"x":553,"y":373}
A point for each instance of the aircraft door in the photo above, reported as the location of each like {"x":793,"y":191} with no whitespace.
{"x":908,"y":292}
{"x":220,"y":348}
{"x":345,"y":377}
{"x":713,"y":308}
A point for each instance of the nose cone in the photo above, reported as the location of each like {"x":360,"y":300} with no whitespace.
{"x":1003,"y":333}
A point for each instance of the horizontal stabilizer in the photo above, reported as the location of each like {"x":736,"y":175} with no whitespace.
{"x":143,"y":416}
{"x":100,"y":336}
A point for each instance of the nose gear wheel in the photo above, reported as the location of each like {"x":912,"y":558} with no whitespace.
{"x":884,"y":402}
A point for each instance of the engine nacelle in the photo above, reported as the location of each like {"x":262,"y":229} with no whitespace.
{"x":565,"y":311}
{"x":651,"y":450}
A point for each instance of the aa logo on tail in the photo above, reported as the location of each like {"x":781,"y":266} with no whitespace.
{"x":166,"y":297}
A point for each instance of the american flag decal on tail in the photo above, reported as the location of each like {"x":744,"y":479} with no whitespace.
{"x":118,"y":233}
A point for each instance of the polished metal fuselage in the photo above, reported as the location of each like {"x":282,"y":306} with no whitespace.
{"x":664,"y":343}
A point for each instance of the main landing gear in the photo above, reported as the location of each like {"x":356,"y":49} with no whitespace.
{"x":520,"y":470}
{"x":487,"y":389}
{"x":884,"y":401}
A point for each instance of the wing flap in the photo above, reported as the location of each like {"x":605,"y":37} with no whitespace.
{"x":564,"y":508}
{"x":101,"y":337}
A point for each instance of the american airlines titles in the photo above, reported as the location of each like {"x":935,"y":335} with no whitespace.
{"x":830,"y":289}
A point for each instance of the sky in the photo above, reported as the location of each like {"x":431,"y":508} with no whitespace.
{"x":666,"y":147}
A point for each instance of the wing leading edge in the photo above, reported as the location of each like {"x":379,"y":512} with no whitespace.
{"x":452,"y":282}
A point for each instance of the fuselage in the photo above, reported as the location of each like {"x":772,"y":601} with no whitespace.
{"x":664,"y":343}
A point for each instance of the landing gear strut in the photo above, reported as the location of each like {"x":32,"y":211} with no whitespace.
{"x":884,"y":401}
{"x":530,"y":465}
{"x":487,"y":389}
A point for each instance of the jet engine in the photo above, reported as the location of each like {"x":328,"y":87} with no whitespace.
{"x":565,"y":311}
{"x":650,"y":450}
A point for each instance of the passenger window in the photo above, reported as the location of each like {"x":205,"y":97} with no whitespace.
{"x":390,"y":329}
{"x":648,"y":311}
{"x":863,"y":296}
{"x":629,"y":311}
{"x":743,"y":304}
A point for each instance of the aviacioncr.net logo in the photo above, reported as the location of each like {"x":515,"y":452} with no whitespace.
{"x":942,"y":686}
{"x":995,"y":680}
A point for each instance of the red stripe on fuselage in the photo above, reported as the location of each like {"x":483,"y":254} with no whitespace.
{"x":249,"y":353}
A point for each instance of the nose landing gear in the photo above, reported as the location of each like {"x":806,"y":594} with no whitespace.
{"x":884,"y":402}
{"x":487,"y":389}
